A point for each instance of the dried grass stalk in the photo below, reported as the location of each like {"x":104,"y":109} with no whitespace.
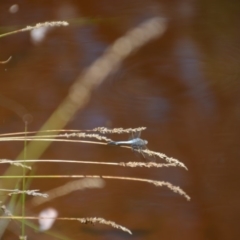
{"x":46,"y":24}
{"x":87,"y":220}
{"x":104,"y":130}
{"x":165,"y":157}
{"x":146,"y":164}
{"x":15,"y":163}
{"x":94,"y":220}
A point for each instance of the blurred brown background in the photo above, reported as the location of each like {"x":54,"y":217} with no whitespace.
{"x":184,"y":87}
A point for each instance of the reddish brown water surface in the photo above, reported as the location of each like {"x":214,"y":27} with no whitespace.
{"x":184,"y":87}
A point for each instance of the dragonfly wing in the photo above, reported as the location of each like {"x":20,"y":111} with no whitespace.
{"x":147,"y":156}
{"x":137,"y":134}
{"x":138,"y":152}
{"x":134,"y":135}
{"x":131,"y":136}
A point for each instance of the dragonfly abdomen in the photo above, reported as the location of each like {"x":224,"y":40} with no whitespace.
{"x":112,"y":143}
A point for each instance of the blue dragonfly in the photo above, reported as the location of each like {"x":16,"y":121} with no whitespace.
{"x":136,"y":143}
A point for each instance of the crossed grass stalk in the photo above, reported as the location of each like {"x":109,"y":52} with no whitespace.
{"x":78,"y":97}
